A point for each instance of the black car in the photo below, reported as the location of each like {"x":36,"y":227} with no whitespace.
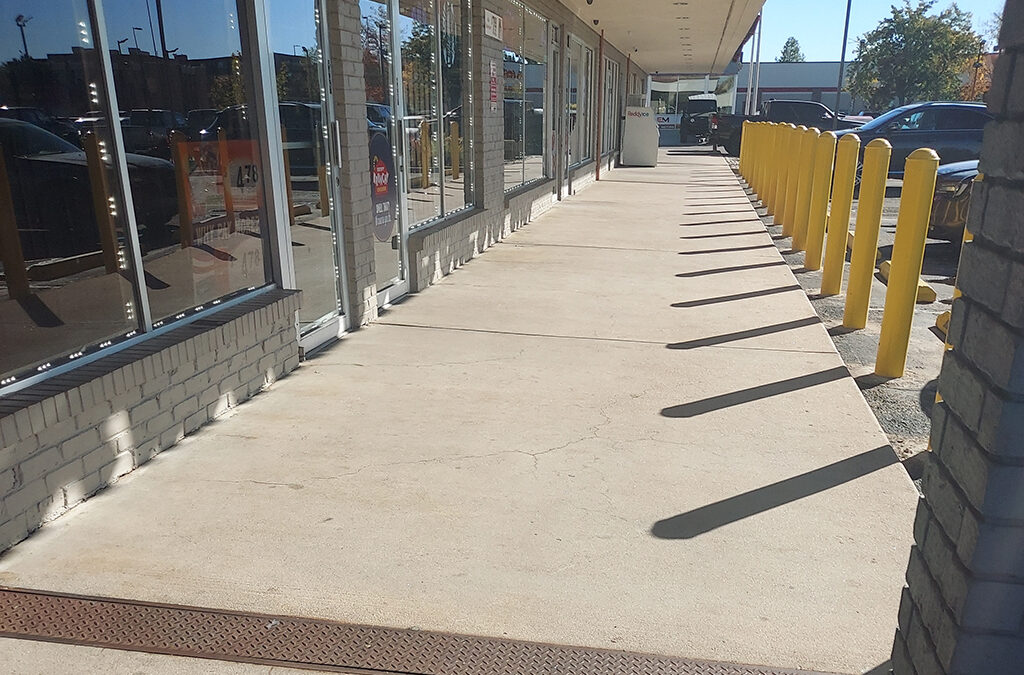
{"x":52,"y":194}
{"x":953,"y":187}
{"x":301,"y":122}
{"x":43,"y":120}
{"x":953,"y":130}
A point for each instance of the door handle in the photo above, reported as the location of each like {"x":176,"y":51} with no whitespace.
{"x":337,"y":143}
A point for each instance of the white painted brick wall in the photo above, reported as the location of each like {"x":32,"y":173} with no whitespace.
{"x":58,"y":452}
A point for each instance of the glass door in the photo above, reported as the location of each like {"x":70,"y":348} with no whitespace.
{"x":385,"y":127}
{"x":297,"y":37}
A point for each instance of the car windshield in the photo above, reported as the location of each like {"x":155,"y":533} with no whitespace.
{"x":698,"y":106}
{"x":21,"y":139}
{"x":881,"y":121}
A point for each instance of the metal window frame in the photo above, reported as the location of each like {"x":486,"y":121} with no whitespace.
{"x":120,"y":160}
{"x":262,"y":81}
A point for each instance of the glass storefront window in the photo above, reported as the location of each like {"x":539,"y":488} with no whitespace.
{"x":298,"y":66}
{"x":513,"y":102}
{"x":612,"y":107}
{"x":525,"y":43}
{"x":580,"y":67}
{"x":535,"y":53}
{"x":65,"y":247}
{"x":455,"y":127}
{"x":381,"y":124}
{"x":189,"y":123}
{"x":421,"y":124}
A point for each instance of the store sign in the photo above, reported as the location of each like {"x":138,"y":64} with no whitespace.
{"x":669,"y":121}
{"x":383,"y":187}
{"x":494,"y":86}
{"x":492,"y":25}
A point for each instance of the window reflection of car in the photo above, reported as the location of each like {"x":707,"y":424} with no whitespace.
{"x":147,"y":132}
{"x":953,"y":187}
{"x":52,"y":194}
{"x":378,"y":118}
{"x":43,"y":120}
{"x":301,"y":124}
{"x":199,"y":119}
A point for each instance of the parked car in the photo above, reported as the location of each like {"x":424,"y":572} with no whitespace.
{"x":199,"y":119}
{"x":953,"y":187}
{"x":301,"y":122}
{"x":52,"y":194}
{"x":696,"y":118}
{"x":953,"y":130}
{"x":807,"y":113}
{"x":43,"y":120}
{"x":378,"y":118}
{"x":147,"y":131}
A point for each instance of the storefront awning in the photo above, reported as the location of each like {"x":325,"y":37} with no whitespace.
{"x":673,"y":36}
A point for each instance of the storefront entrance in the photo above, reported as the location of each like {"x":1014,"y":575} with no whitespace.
{"x":308,"y":143}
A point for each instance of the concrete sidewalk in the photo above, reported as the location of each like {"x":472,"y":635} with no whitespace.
{"x":624,"y":427}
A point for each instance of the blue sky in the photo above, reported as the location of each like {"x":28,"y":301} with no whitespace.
{"x":818,"y":24}
{"x":203,"y":28}
{"x":199,"y":28}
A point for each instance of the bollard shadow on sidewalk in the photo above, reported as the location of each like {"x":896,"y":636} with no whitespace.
{"x":745,"y":334}
{"x":718,"y":514}
{"x":707,"y":405}
{"x":736,"y":296}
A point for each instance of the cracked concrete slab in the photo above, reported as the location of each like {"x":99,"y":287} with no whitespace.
{"x":543,"y":447}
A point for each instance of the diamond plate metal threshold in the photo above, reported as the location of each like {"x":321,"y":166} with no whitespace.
{"x":315,"y":644}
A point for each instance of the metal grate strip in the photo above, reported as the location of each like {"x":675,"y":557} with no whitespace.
{"x":316,"y":644}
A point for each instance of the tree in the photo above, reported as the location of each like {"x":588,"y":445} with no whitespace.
{"x":791,"y":52}
{"x":914,"y":56}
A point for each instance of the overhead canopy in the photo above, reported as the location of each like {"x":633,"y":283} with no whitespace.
{"x":673,"y":36}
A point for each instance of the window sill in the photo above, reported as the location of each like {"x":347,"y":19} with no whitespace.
{"x":419,"y":232}
{"x":526,"y":187}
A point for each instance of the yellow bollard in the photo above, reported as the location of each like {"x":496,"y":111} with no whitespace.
{"x":775,"y":173}
{"x":865,"y":239}
{"x":455,"y":148}
{"x":839,"y":214}
{"x":817,"y":219}
{"x":805,"y":181}
{"x":907,"y":259}
{"x":764,"y":132}
{"x":289,"y":195}
{"x":224,"y":160}
{"x":788,"y":131}
{"x":744,"y":148}
{"x":11,"y":255}
{"x":101,"y":205}
{"x":792,"y":176}
{"x":179,"y":155}
{"x":770,"y":166}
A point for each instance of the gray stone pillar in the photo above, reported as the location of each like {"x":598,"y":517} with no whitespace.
{"x":963,"y":609}
{"x":349,"y":88}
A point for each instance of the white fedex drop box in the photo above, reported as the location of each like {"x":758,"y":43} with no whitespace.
{"x":640,"y":137}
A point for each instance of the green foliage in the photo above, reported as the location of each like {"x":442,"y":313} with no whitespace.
{"x":791,"y":52}
{"x":228,"y":90}
{"x":914,"y":56}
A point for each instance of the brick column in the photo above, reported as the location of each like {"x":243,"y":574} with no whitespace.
{"x":349,"y":89}
{"x":963,"y":609}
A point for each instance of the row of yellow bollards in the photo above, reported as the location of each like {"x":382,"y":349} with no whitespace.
{"x":806,"y":181}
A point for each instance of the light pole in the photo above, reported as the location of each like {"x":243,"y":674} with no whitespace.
{"x":119,"y":43}
{"x":135,"y":34}
{"x":21,"y":21}
{"x":842,"y":66}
